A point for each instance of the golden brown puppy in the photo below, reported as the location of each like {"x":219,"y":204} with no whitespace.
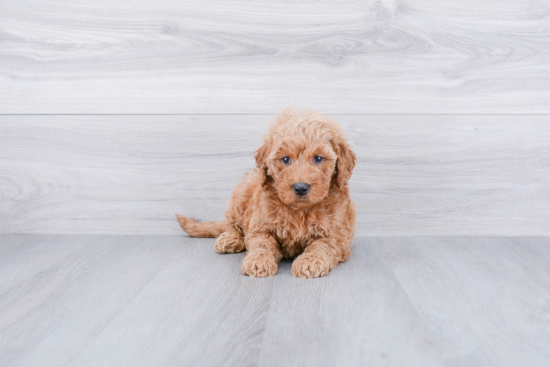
{"x":295,"y":204}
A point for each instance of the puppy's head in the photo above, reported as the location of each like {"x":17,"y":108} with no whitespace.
{"x":304,"y":155}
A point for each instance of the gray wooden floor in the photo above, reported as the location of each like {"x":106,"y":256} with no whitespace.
{"x":74,"y":300}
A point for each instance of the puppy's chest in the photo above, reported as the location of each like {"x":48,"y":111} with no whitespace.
{"x":296,"y":232}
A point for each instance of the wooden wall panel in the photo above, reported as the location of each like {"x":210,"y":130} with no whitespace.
{"x":416,"y":175}
{"x":203,"y":57}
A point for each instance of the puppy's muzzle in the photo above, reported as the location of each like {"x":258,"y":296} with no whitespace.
{"x":301,"y":188}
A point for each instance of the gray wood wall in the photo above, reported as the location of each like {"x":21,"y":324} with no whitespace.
{"x":114,"y":115}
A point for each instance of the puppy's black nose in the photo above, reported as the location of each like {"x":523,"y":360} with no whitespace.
{"x":301,"y":188}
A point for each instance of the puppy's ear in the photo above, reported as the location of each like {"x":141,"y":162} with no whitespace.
{"x":345,"y":162}
{"x":261,"y":160}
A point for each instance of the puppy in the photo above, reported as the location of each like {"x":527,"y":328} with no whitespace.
{"x":295,"y":204}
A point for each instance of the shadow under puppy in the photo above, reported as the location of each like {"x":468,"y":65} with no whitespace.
{"x":295,"y":204}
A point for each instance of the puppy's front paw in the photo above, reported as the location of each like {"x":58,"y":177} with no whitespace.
{"x":229,"y":242}
{"x":259,"y":264}
{"x":310,"y":265}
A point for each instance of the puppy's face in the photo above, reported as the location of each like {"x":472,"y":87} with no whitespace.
{"x":304,"y":157}
{"x":302,"y":174}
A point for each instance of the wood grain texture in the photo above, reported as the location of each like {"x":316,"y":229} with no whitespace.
{"x":417,"y":302}
{"x":173,"y":301}
{"x":219,"y":56}
{"x":118,"y":288}
{"x":416,"y":175}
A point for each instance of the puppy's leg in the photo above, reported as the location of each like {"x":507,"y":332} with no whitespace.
{"x":318,"y":259}
{"x":230,"y":242}
{"x":262,"y":257}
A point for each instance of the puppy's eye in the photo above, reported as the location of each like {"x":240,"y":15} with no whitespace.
{"x":318,"y":159}
{"x":285,"y":160}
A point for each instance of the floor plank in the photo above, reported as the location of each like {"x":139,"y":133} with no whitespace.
{"x":212,"y":56}
{"x":133,"y":301}
{"x":418,"y":302}
{"x":399,"y":301}
{"x":416,"y":175}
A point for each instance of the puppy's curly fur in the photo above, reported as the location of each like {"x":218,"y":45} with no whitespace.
{"x":271,"y":217}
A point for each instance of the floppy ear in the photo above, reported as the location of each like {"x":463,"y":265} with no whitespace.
{"x":261,"y":157}
{"x":345,"y":161}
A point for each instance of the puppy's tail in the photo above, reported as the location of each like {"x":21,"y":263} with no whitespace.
{"x":207,"y":229}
